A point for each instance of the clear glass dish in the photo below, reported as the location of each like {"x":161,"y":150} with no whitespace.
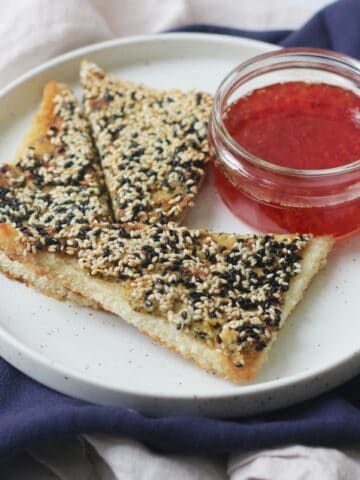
{"x":272,"y":197}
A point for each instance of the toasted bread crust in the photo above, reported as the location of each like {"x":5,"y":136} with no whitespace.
{"x":110,"y":296}
{"x":43,"y":119}
{"x":50,"y":287}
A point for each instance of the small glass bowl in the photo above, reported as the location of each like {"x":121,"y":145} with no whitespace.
{"x":275,"y":198}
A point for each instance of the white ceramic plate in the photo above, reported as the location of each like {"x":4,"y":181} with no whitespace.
{"x":96,"y":356}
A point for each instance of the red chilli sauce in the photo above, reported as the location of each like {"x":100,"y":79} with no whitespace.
{"x":298,"y":125}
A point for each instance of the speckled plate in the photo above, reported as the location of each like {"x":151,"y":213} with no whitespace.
{"x":96,"y":356}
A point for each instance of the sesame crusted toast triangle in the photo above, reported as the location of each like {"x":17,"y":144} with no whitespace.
{"x":153,"y":144}
{"x":55,"y":180}
{"x":217,"y":299}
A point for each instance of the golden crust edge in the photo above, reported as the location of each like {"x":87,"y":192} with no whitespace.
{"x":15,"y":271}
{"x":42,"y":119}
{"x":13,"y":266}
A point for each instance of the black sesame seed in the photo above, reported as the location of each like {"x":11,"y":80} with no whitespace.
{"x":198,"y":163}
{"x":69,"y":106}
{"x":245,"y":303}
{"x":195,"y":145}
{"x":187,"y":164}
{"x":180,"y":148}
{"x":138,"y":153}
{"x":53,"y":129}
{"x":107,"y":97}
{"x":259,"y":346}
{"x":123,"y":233}
{"x":200,"y":335}
{"x":58,"y":225}
{"x":61,"y":149}
{"x":51,"y":241}
{"x":114,"y":132}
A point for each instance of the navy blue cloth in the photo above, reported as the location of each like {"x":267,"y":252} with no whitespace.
{"x":31,"y":413}
{"x":336,"y":27}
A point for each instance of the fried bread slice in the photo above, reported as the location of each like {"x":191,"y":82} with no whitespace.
{"x":55,"y":180}
{"x":217,"y":299}
{"x":153,"y":144}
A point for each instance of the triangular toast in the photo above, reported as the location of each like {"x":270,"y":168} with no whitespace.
{"x":217,"y":299}
{"x":153,"y":144}
{"x":56,"y":179}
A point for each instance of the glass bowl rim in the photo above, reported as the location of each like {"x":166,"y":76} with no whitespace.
{"x":334,"y":58}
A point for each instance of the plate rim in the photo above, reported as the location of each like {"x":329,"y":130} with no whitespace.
{"x":43,"y":361}
{"x":153,"y":37}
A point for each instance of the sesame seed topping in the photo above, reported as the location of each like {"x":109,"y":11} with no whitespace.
{"x":164,"y":270}
{"x":59,"y":187}
{"x":202,"y":295}
{"x":225,"y":290}
{"x":153,"y":145}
